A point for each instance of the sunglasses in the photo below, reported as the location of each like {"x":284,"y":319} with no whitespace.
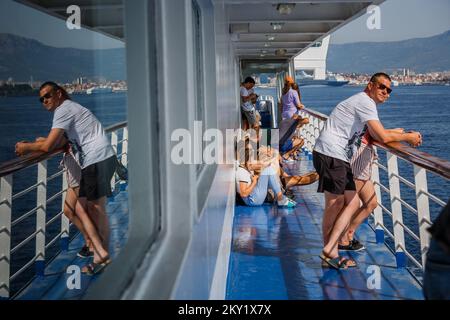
{"x":46,"y":96}
{"x":382,"y":87}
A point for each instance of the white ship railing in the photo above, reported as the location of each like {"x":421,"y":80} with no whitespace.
{"x":7,"y":198}
{"x":422,"y":163}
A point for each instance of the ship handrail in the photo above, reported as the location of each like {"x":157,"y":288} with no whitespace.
{"x":7,"y":171}
{"x":421,"y":161}
{"x":20,"y":163}
{"x":420,"y":158}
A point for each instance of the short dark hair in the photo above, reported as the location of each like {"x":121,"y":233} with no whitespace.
{"x":249,"y":80}
{"x":378,"y":75}
{"x":55,"y":87}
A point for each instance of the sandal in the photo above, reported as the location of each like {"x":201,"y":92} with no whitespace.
{"x":331,"y":262}
{"x":338,"y":262}
{"x":347,"y":263}
{"x":96,"y":267}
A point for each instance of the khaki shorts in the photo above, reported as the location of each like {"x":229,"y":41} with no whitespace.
{"x":362,"y":161}
{"x":73,"y":169}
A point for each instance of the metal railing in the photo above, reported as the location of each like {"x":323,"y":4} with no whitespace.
{"x":422,"y":163}
{"x":7,"y":172}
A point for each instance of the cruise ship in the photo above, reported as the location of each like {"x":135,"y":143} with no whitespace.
{"x":303,"y":79}
{"x":177,"y":230}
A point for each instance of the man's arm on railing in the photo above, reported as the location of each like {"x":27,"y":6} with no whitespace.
{"x":49,"y":144}
{"x":379,"y":133}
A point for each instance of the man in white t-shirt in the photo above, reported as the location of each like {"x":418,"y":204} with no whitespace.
{"x":334,"y":148}
{"x":247,"y":106}
{"x":95,"y":153}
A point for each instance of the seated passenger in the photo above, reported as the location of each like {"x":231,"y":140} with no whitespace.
{"x":254,"y":179}
{"x":289,"y":149}
{"x":270,"y":156}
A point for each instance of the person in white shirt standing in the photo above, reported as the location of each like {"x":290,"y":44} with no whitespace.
{"x":95,"y":154}
{"x":338,"y":141}
{"x":248,"y":109}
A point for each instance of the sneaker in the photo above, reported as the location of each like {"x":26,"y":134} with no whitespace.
{"x":287,"y":203}
{"x":354,"y":245}
{"x":85,"y":252}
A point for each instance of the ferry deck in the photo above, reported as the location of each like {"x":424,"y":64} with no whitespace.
{"x":176,"y":230}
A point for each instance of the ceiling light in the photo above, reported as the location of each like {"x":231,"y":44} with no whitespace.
{"x":266,"y":45}
{"x":277,"y":25}
{"x":285,"y":8}
{"x":270,"y":38}
{"x":264,"y":51}
{"x":281,"y":52}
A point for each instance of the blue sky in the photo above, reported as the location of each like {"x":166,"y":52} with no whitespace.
{"x":400,"y":19}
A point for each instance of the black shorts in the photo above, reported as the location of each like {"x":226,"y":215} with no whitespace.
{"x":96,"y":179}
{"x":335,"y":175}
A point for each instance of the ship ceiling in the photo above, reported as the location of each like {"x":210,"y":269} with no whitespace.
{"x":259,"y":29}
{"x":104,"y":16}
{"x":268,"y":29}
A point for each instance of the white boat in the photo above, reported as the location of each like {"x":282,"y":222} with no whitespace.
{"x":99,"y":90}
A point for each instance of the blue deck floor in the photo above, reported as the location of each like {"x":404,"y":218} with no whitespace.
{"x":53,"y":286}
{"x":275,"y":255}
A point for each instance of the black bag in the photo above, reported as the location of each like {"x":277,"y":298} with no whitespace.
{"x":121,"y":171}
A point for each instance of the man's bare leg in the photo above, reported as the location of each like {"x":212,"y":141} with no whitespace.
{"x":342,"y":223}
{"x":333,"y":205}
{"x":70,"y":212}
{"x":100,"y":251}
{"x":366,"y":192}
{"x":98,"y":209}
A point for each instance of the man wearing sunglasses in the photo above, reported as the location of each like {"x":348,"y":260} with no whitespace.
{"x":339,"y":140}
{"x":95,"y":154}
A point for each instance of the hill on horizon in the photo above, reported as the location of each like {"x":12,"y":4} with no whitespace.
{"x":22,"y":58}
{"x":420,"y":54}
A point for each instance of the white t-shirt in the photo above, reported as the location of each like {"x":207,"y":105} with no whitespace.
{"x":246,"y":106}
{"x":242,"y":175}
{"x":346,"y":126}
{"x":84,"y":131}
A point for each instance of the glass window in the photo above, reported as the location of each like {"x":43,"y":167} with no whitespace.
{"x":79,"y":50}
{"x":198,"y":69}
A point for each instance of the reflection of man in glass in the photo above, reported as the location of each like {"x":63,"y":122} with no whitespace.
{"x":97,"y":159}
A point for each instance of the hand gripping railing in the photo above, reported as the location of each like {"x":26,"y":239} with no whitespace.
{"x":422,"y":162}
{"x":7,"y":171}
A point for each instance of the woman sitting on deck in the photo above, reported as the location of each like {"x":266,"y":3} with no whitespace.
{"x":253,"y":180}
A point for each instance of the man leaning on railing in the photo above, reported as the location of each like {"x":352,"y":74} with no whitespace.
{"x":96,"y":156}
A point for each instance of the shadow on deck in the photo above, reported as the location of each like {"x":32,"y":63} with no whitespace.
{"x":53,"y":286}
{"x":275,"y":256}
